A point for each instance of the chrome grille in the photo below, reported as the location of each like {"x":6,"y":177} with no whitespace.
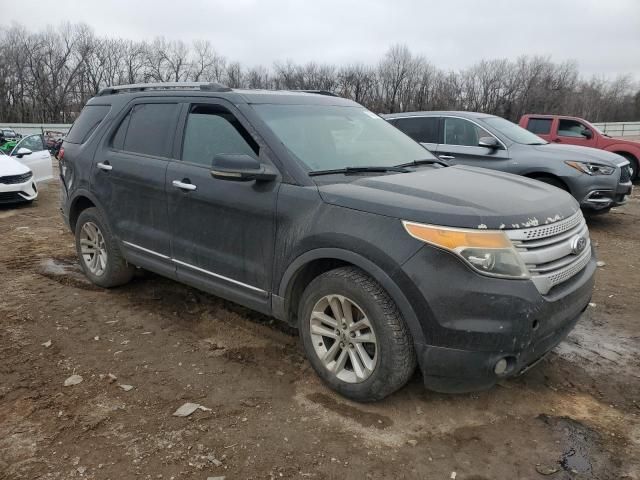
{"x":625,"y":174}
{"x":549,"y":250}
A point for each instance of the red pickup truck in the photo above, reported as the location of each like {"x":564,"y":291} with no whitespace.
{"x":576,"y":131}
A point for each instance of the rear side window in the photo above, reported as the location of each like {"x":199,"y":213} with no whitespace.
{"x":539,"y":125}
{"x":147,"y":129}
{"x":212,"y":129}
{"x":421,"y":129}
{"x":89,"y":119}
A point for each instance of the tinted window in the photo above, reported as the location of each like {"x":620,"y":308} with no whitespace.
{"x":326,"y":136}
{"x":570,"y":128}
{"x":539,"y":125}
{"x":86,"y":123}
{"x":150,"y":129}
{"x":421,"y":129}
{"x":458,"y":131}
{"x":211,"y":130}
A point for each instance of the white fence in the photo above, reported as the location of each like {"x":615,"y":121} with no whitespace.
{"x":620,"y":129}
{"x":33,"y":128}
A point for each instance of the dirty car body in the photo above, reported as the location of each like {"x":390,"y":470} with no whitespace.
{"x":598,"y":180}
{"x":264,"y":239}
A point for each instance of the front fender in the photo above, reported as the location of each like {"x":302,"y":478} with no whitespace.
{"x":384,"y":278}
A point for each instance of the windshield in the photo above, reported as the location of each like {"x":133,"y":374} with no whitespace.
{"x":514,"y":132}
{"x":329,"y":137}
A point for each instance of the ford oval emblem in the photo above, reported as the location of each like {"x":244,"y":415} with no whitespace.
{"x":578,"y":244}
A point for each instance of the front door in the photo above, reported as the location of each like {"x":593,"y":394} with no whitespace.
{"x":573,"y":132}
{"x":128,"y":177}
{"x":39,"y":160}
{"x":460,"y":145}
{"x":223,"y":230}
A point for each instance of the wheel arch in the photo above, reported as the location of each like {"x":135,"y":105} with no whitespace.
{"x":537,"y":175}
{"x":80,"y":202}
{"x":315,"y":262}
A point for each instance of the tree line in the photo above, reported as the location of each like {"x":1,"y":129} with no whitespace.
{"x":47,"y":76}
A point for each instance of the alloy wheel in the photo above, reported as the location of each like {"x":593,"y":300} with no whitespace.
{"x":93,"y":248}
{"x":343,"y":338}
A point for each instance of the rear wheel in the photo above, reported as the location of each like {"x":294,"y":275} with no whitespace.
{"x":98,"y":252}
{"x":354,"y":336}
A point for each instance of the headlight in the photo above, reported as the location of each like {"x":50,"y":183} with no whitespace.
{"x":488,"y":251}
{"x":592,"y":168}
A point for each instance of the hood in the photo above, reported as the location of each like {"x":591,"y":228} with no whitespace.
{"x":458,"y":196}
{"x":578,"y":153}
{"x":10,"y":166}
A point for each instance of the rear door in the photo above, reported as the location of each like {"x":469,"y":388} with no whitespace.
{"x":459,"y":145}
{"x":39,"y":160}
{"x":128,"y":177}
{"x":223,"y":230}
{"x":422,"y":129}
{"x":541,"y":126}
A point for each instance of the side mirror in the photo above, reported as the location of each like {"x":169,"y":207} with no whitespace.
{"x":489,"y":142}
{"x":240,"y":167}
{"x":588,"y":134}
{"x":22,"y":152}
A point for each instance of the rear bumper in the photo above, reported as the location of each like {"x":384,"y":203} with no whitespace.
{"x":473,"y":322}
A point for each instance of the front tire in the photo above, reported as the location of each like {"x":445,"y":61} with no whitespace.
{"x":354,"y":336}
{"x":553,"y":181}
{"x":98,"y":252}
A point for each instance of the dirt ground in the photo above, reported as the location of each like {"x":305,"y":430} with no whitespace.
{"x":574,"y":416}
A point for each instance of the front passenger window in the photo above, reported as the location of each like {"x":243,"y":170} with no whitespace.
{"x":211,"y":130}
{"x":458,"y":131}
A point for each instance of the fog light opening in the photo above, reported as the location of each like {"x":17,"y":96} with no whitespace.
{"x":501,"y":366}
{"x":504,"y":366}
{"x":535,"y":325}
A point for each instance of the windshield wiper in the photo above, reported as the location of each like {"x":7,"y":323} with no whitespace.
{"x":424,"y":161}
{"x":537,"y":143}
{"x":349,"y":170}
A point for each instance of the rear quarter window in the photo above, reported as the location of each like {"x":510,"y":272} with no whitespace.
{"x":89,"y":119}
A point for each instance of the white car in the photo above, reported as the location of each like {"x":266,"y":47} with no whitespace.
{"x":27,"y":164}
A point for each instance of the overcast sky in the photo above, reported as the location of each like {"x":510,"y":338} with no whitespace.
{"x":603,"y":36}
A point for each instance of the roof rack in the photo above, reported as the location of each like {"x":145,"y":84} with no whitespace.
{"x":142,"y":87}
{"x":318,"y":92}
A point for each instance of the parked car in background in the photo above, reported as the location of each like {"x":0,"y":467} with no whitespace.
{"x":598,"y":180}
{"x":9,"y":133}
{"x":577,"y":131}
{"x":52,"y":138}
{"x":314,"y":210}
{"x":31,"y":152}
{"x":16,"y":181}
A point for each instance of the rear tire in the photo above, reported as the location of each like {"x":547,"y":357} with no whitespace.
{"x":354,"y":336}
{"x":98,"y":252}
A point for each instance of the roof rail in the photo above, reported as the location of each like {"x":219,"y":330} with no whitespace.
{"x":318,"y":92}
{"x":142,"y":87}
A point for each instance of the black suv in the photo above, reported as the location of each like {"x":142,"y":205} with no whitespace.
{"x":312,"y":209}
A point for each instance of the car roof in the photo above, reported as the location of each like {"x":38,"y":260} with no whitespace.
{"x":437,"y":113}
{"x":288,"y":97}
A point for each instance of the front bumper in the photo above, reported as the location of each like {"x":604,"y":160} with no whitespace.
{"x":600,"y":196}
{"x":18,"y":192}
{"x":471,"y":321}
